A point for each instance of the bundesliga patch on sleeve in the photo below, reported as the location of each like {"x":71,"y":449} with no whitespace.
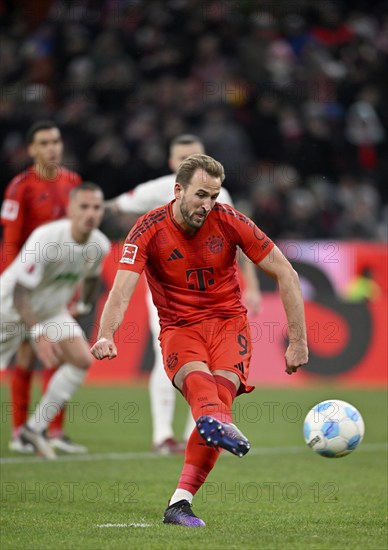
{"x":10,"y":210}
{"x":129,"y":254}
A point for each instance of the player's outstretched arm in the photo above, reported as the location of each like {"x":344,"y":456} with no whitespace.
{"x":113,"y":313}
{"x":279,"y":268}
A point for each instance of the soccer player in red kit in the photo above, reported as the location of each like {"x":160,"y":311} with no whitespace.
{"x":188,"y":251}
{"x":36,"y":196}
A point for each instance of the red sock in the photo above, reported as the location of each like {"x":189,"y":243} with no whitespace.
{"x":20,"y":396}
{"x":226,"y":391}
{"x":56,"y":425}
{"x":201,"y":393}
{"x":199,"y":461}
{"x":218,"y":394}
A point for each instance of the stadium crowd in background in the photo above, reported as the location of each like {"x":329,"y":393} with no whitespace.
{"x":288,"y":96}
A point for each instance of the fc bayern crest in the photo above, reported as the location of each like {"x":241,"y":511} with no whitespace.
{"x":215,"y":244}
{"x":172,"y":360}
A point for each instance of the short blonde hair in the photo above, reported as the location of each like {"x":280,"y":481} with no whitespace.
{"x":204,"y":162}
{"x":85,"y":186}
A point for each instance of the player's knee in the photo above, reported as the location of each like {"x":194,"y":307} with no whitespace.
{"x":188,"y":368}
{"x":25,"y":356}
{"x":83,"y":362}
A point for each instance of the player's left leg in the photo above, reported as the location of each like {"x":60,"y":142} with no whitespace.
{"x":64,"y":383}
{"x":55,"y":428}
{"x":199,"y":461}
{"x":200,"y":390}
{"x":55,"y":431}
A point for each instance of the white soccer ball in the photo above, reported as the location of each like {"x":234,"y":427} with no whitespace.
{"x":333,"y":428}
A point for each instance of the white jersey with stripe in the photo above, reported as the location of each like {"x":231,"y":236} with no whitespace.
{"x":155,"y":193}
{"x":51,"y":264}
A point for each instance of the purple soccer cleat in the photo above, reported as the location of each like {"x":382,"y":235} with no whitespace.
{"x":220,"y":434}
{"x":181,"y":513}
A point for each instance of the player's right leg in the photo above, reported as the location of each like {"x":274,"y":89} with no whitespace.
{"x":230,"y":349}
{"x":224,"y":434}
{"x":20,"y":389}
{"x":187,"y":358}
{"x":12,"y":336}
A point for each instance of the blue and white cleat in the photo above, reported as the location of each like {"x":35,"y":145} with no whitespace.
{"x":181,"y":513}
{"x":220,"y":434}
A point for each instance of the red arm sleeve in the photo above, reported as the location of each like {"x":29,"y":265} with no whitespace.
{"x":12,"y":217}
{"x":134,"y":255}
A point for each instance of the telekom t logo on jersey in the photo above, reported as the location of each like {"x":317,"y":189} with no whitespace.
{"x":200,"y":278}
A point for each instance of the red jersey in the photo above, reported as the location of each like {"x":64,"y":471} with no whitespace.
{"x":193,"y":277}
{"x":31,"y":201}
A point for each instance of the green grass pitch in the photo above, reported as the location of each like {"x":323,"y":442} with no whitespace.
{"x":281,"y":495}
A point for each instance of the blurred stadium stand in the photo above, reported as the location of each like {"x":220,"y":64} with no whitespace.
{"x":288,"y":95}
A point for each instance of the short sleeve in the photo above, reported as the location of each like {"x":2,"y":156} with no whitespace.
{"x":134,"y":256}
{"x":12,"y":216}
{"x":246,"y":234}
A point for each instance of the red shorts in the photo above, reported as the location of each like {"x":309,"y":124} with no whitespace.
{"x":220,"y":343}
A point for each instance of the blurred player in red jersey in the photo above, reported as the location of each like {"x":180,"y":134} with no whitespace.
{"x":188,"y":251}
{"x":37,"y":195}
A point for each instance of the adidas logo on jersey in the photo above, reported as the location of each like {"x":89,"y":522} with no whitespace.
{"x":175,"y":255}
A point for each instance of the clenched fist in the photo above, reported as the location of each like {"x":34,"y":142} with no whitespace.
{"x":104,"y":348}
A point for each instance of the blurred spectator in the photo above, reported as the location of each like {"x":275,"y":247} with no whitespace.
{"x":363,"y":288}
{"x":360,"y":205}
{"x":263,"y":85}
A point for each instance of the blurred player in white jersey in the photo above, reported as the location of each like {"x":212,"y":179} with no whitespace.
{"x":35,"y":291}
{"x":138,"y":201}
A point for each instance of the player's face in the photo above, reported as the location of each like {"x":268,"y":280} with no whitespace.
{"x":85,"y":210}
{"x":179,"y":153}
{"x":47,"y":147}
{"x":197,"y":200}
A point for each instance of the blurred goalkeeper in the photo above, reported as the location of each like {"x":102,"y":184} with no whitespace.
{"x":205,"y":336}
